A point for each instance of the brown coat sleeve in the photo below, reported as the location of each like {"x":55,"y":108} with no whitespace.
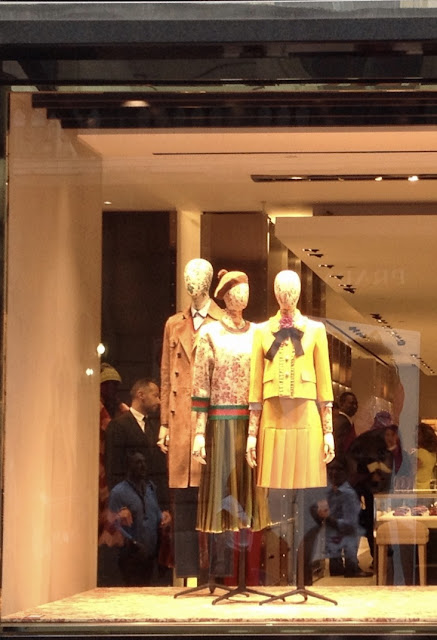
{"x":165,"y":374}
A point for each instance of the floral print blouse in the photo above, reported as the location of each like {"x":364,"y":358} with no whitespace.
{"x":221,"y":373}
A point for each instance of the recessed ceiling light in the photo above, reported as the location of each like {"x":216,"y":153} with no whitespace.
{"x":296,"y":178}
{"x":135,"y":103}
{"x":107,"y":202}
{"x":413,"y":178}
{"x":378,"y":179}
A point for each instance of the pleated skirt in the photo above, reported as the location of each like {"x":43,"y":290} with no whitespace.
{"x":229,"y":499}
{"x":290,"y":445}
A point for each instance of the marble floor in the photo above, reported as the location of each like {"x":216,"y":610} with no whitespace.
{"x":371,"y":608}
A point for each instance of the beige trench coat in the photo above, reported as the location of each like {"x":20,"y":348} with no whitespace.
{"x":177,"y":362}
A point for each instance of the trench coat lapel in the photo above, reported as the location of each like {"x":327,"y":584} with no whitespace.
{"x":214,"y":311}
{"x":186,"y":332}
{"x":187,"y":335}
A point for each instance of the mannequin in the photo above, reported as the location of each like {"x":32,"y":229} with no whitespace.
{"x":290,"y":435}
{"x":220,"y":402}
{"x":228,"y":497}
{"x":177,"y":429}
{"x":290,"y":396}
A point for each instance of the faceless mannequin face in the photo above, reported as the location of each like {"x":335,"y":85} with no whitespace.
{"x":197,"y":277}
{"x":236,"y":299}
{"x":287,"y":290}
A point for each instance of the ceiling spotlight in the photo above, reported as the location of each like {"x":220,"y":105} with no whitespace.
{"x":310,"y":250}
{"x":296,"y":178}
{"x":135,"y":103}
{"x":326,"y":266}
{"x":338,"y":277}
{"x":378,"y":179}
{"x":348,"y":287}
{"x":413,"y":178}
{"x":107,"y":202}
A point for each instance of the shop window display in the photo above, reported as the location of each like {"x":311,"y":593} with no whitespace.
{"x":259,"y":500}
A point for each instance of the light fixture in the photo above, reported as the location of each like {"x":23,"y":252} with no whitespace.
{"x":349,"y":288}
{"x":349,"y":177}
{"x":101,"y":349}
{"x":327,"y":266}
{"x":89,"y":372}
{"x":107,"y":202}
{"x":135,"y":103}
{"x":337,"y":276}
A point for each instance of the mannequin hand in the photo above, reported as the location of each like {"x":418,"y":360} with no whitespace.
{"x":199,"y":451}
{"x":163,"y":438}
{"x":251,"y":451}
{"x":328,"y":448}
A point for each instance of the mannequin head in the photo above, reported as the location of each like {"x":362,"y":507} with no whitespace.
{"x":287,"y":290}
{"x":237,"y":297}
{"x":233,"y":289}
{"x":197,"y":278}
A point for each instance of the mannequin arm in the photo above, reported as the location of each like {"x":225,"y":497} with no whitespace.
{"x":199,"y":451}
{"x":163,"y":438}
{"x":254,"y":421}
{"x":328,"y":436}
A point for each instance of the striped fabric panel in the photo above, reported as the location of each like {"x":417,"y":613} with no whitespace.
{"x":229,"y":412}
{"x":201,"y":405}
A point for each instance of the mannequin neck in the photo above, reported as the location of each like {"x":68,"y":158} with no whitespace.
{"x":288,"y":312}
{"x":200,"y":300}
{"x":234,"y":318}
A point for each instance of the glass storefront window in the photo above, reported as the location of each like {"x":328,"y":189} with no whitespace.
{"x":218,"y":393}
{"x":110,"y":235}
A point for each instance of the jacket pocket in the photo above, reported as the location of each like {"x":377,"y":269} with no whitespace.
{"x":308,"y":376}
{"x":268,"y":375}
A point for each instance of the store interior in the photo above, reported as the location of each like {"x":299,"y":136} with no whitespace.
{"x":354,"y":206}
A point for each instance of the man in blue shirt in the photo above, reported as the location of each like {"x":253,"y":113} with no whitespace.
{"x":138,"y":517}
{"x":342,"y":525}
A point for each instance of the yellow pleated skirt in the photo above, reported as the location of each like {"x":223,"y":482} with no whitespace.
{"x":290,"y":445}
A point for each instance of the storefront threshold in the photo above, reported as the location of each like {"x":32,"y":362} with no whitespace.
{"x":154,"y":611}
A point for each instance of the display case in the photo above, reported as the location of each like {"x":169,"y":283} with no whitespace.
{"x":416,"y":505}
{"x":406,"y":537}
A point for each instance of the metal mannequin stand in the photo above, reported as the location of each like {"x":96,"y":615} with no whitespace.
{"x":241,"y":588}
{"x":212,"y":586}
{"x":205,"y":583}
{"x":300,"y":589}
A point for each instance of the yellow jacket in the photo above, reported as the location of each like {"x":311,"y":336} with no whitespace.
{"x":287,"y":375}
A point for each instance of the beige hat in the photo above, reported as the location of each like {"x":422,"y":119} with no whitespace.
{"x":108,"y":373}
{"x":228,"y":279}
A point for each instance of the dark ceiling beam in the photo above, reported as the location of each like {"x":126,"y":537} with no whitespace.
{"x":100,"y":23}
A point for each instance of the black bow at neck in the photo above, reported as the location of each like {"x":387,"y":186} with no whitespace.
{"x":295,"y":336}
